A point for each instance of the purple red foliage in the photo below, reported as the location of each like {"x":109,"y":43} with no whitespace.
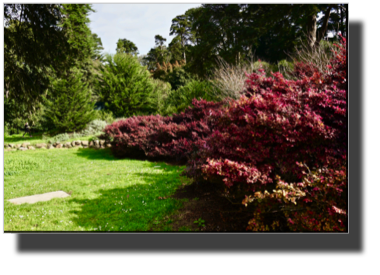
{"x":266,"y":140}
{"x":157,"y":137}
{"x":262,"y":145}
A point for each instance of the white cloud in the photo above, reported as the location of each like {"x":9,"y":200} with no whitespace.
{"x":136,"y":22}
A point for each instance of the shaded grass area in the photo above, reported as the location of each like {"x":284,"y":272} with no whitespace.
{"x":106,"y":194}
{"x":35,"y":138}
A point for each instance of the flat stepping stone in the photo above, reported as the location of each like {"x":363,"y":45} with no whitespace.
{"x":40,"y":197}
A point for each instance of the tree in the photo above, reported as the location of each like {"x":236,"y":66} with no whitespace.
{"x":126,"y":46}
{"x":151,"y":59}
{"x":158,"y":54}
{"x":97,"y":48}
{"x":175,"y":49}
{"x":160,"y":41}
{"x":69,"y":107}
{"x":163,"y":55}
{"x":271,"y":32}
{"x":125,"y":86}
{"x":41,"y":41}
{"x":338,"y":19}
{"x":181,"y":27}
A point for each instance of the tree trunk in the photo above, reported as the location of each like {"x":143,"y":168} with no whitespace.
{"x":313,"y":37}
{"x":323,"y":30}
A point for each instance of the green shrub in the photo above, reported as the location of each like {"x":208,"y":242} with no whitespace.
{"x":105,"y":115}
{"x":285,"y":68}
{"x":94,"y":127}
{"x":160,"y":93}
{"x":178,"y":78}
{"x":178,"y":100}
{"x":125,"y":86}
{"x":59,"y":138}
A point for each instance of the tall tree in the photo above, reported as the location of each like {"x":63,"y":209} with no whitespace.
{"x":163,"y":55}
{"x":158,"y":54}
{"x":126,"y":46}
{"x":41,"y":40}
{"x":69,"y":107}
{"x":181,"y":26}
{"x":175,"y":49}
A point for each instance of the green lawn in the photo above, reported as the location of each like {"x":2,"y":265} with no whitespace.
{"x":36,"y":138}
{"x":107,"y":194}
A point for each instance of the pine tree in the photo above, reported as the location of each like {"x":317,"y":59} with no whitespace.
{"x":126,"y":87}
{"x":69,"y":107}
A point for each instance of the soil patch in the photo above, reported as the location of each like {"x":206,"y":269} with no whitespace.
{"x":205,"y":201}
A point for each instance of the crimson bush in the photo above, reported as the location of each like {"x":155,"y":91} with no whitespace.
{"x":157,"y":137}
{"x":263,"y":145}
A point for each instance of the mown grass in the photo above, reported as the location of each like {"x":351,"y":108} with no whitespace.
{"x":35,"y":138}
{"x":107,"y":194}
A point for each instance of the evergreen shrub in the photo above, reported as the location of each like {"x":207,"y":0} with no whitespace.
{"x":178,"y":100}
{"x":68,"y":106}
{"x":126,"y":87}
{"x":177,"y":78}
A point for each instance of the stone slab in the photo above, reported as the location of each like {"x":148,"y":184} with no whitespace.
{"x":40,"y":197}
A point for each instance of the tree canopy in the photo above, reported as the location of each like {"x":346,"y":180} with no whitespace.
{"x":41,"y":39}
{"x":126,"y":46}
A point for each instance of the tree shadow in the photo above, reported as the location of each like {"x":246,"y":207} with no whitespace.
{"x":134,"y":208}
{"x":93,"y":154}
{"x":26,"y":138}
{"x":106,"y":154}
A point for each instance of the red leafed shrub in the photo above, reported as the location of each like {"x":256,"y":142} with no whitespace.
{"x":158,"y":137}
{"x":302,"y":70}
{"x":130,"y":137}
{"x":263,"y":143}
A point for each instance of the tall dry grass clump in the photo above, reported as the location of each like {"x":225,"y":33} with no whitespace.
{"x":319,"y":56}
{"x":229,"y":79}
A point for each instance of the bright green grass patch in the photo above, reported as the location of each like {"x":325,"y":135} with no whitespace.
{"x":107,"y":194}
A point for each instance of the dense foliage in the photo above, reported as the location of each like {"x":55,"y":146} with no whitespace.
{"x":162,"y":137}
{"x":268,"y":139}
{"x":68,"y":105}
{"x":178,"y":100}
{"x":126,"y":87}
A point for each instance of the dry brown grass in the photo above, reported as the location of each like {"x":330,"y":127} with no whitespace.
{"x":320,"y":55}
{"x":229,"y":79}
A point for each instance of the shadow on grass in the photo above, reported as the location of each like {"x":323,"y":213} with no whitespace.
{"x":106,"y":154}
{"x":134,"y":208}
{"x":26,"y":138}
{"x":92,"y":153}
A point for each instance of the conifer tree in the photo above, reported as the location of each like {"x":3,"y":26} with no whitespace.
{"x":125,"y":86}
{"x":69,"y":107}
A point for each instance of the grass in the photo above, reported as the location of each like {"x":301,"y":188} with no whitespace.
{"x":107,"y":194}
{"x":36,"y":138}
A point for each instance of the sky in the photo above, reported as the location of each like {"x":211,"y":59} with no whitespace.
{"x":138,"y":23}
